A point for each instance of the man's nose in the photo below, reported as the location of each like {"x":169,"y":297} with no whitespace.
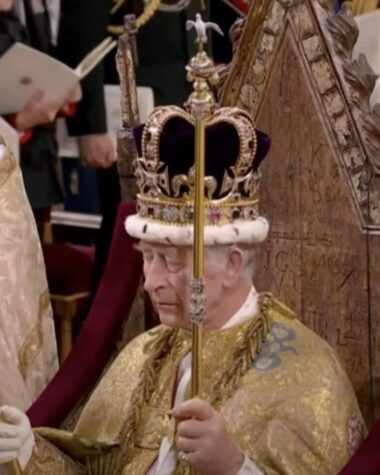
{"x":154,"y":275}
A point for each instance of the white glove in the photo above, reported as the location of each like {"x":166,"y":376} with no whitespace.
{"x":16,"y":436}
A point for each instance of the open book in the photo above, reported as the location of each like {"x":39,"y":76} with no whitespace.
{"x":11,"y":137}
{"x":24,"y":70}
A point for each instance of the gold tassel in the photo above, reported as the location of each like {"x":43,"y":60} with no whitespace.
{"x":244,"y":355}
{"x":142,"y":394}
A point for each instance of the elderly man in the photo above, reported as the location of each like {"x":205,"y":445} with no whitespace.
{"x":275,"y":399}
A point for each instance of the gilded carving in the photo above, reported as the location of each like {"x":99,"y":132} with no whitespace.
{"x":125,"y":67}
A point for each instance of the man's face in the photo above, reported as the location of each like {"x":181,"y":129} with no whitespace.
{"x":6,"y":5}
{"x":168,"y":271}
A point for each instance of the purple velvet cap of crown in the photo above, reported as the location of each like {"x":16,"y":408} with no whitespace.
{"x":176,"y":148}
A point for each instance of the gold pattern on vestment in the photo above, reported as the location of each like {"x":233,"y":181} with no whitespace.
{"x":28,"y":353}
{"x":34,"y":340}
{"x":289,"y":409}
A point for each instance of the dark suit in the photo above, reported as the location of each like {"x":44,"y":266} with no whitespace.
{"x":83,"y":25}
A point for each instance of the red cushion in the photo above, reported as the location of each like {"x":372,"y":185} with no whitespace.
{"x":98,"y":337}
{"x":68,"y":268}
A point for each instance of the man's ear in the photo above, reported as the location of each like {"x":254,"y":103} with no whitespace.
{"x":234,"y":268}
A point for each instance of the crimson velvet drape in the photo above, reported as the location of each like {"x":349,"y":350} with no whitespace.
{"x":98,"y":337}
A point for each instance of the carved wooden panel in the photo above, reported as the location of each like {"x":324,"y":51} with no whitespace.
{"x":316,"y":257}
{"x":293,"y":71}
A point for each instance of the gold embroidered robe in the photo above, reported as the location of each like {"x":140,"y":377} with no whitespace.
{"x":290,"y":407}
{"x":28,"y":353}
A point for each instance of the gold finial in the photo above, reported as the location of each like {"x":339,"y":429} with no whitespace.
{"x":201,"y":70}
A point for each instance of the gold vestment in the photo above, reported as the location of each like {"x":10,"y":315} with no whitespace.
{"x":284,"y":395}
{"x":28,"y":351}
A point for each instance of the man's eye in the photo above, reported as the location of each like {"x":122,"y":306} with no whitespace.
{"x":173,"y":266}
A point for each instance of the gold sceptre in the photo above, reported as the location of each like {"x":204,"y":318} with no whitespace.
{"x":202,"y":72}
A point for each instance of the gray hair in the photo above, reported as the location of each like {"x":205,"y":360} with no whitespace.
{"x":217,"y":257}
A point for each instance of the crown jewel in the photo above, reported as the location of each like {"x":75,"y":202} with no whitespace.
{"x":166,"y":189}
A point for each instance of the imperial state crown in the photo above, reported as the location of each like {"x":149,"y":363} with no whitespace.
{"x":165,"y":170}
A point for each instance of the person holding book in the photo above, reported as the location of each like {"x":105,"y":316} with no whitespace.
{"x":74,"y":41}
{"x":35,"y":122}
{"x":89,"y":124}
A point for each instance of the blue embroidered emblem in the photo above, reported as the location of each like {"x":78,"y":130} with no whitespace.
{"x":276,"y":343}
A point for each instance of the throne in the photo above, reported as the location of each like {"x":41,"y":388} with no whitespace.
{"x":293,"y":70}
